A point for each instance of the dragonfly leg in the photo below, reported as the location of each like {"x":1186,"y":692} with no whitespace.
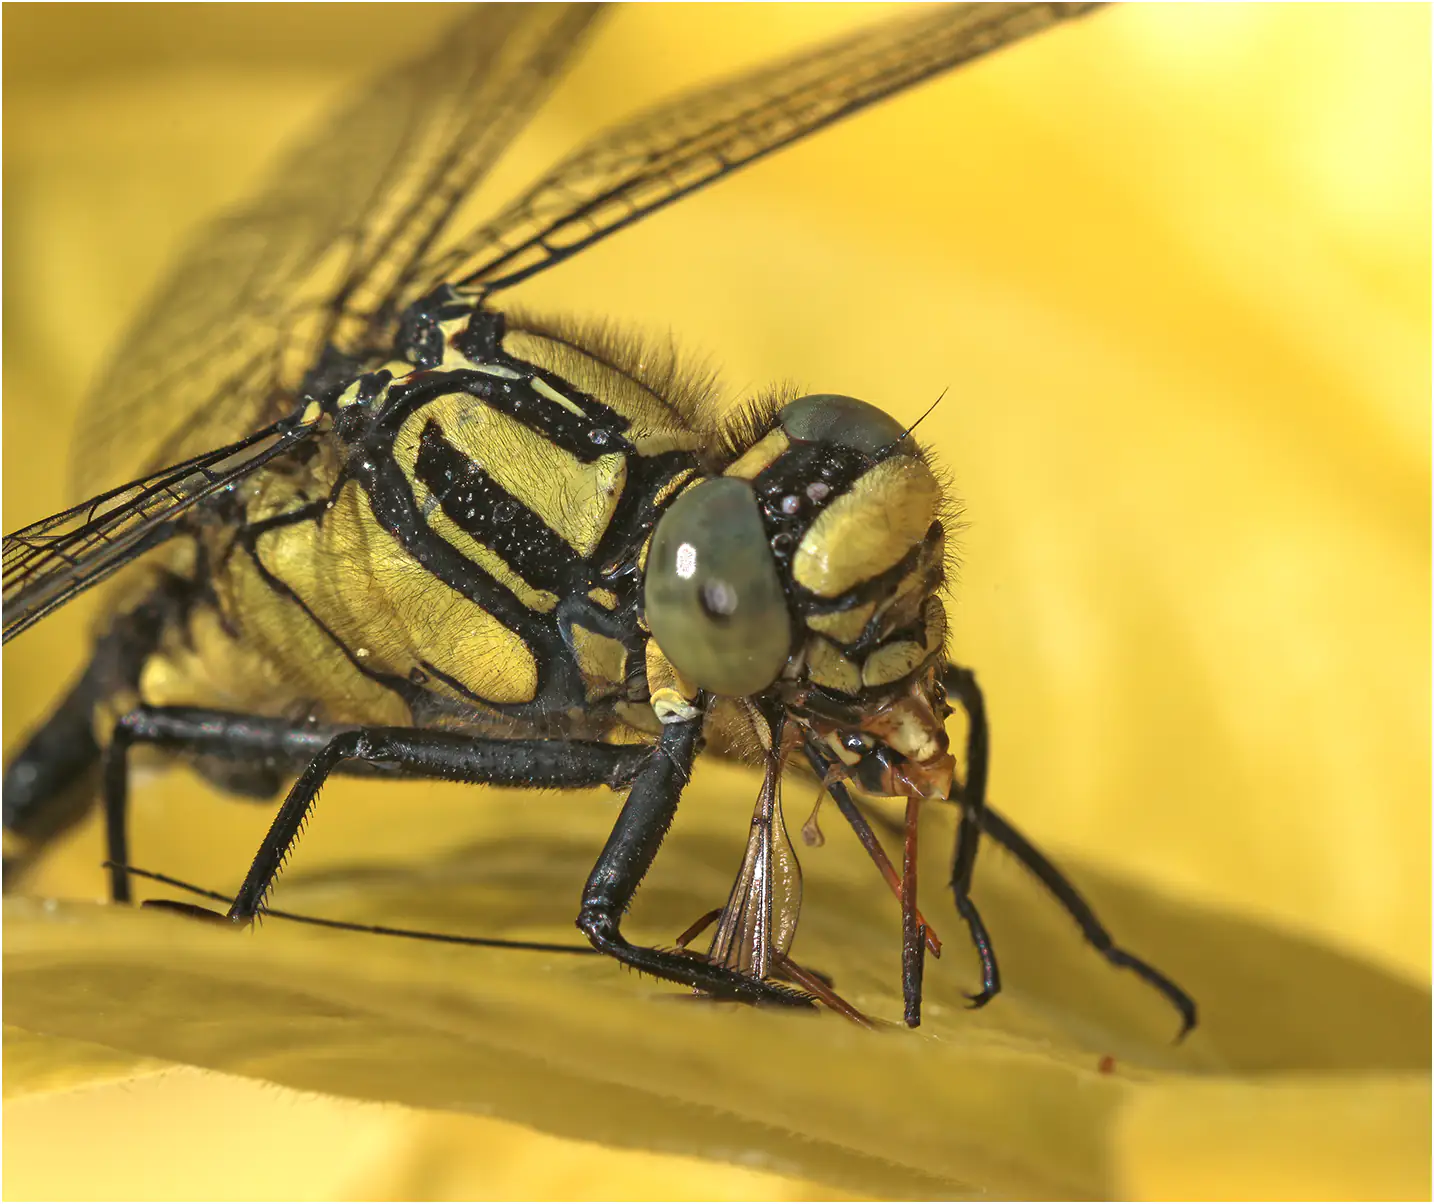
{"x":1000,"y":830}
{"x":265,"y":746}
{"x":976,"y":814}
{"x":646,"y":815}
{"x":962,"y":683}
{"x":446,"y":756}
{"x":282,"y":746}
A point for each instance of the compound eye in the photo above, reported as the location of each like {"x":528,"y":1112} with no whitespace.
{"x":714,"y":601}
{"x":846,"y":421}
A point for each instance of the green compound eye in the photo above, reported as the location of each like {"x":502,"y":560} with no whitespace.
{"x":714,"y":601}
{"x":832,"y":418}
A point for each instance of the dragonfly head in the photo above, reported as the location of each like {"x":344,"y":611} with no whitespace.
{"x":810,"y":571}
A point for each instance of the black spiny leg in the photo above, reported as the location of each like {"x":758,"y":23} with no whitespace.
{"x":278,"y":745}
{"x":646,"y":815}
{"x":1000,"y":830}
{"x":284,"y":747}
{"x":962,"y":683}
{"x":446,"y":756}
{"x":975,"y":813}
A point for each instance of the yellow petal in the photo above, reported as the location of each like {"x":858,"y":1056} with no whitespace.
{"x":1173,"y":265}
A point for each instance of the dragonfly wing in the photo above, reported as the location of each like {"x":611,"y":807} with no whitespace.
{"x":645,"y":164}
{"x":50,"y":562}
{"x":325,"y":248}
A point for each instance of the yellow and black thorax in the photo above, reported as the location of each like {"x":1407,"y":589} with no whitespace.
{"x":511,"y":525}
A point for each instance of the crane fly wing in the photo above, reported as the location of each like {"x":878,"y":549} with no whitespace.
{"x":786,"y":884}
{"x":636,"y":168}
{"x":50,"y":562}
{"x":760,"y":918}
{"x":320,"y":254}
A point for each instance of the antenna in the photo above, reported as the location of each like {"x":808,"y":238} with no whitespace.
{"x":896,"y":442}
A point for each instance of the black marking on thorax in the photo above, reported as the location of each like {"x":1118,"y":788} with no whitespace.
{"x":596,"y":432}
{"x":494,"y":517}
{"x":477,"y":504}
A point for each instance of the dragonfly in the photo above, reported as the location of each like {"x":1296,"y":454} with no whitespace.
{"x":386,"y":525}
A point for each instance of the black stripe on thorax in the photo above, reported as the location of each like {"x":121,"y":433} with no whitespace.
{"x":596,"y":432}
{"x":391,"y":501}
{"x":480,"y":506}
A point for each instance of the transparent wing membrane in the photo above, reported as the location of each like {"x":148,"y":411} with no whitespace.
{"x":760,"y":918}
{"x":351,"y":226}
{"x":349,"y":231}
{"x":326,"y":247}
{"x":293,"y":318}
{"x":49,"y":562}
{"x":639,"y":167}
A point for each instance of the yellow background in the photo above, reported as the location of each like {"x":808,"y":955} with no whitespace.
{"x":1172,"y":266}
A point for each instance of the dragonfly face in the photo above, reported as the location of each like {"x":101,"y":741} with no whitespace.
{"x":811,"y":567}
{"x":389,"y":525}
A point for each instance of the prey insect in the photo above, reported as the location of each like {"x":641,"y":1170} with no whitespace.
{"x":392,"y":527}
